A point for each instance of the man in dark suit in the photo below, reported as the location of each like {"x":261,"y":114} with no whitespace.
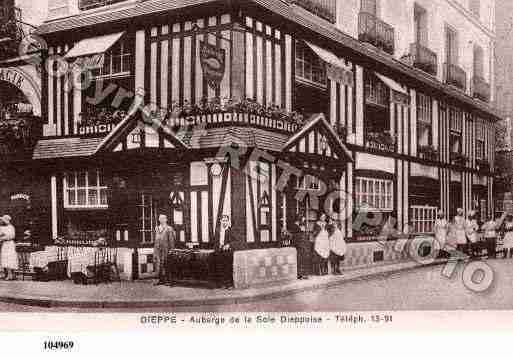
{"x":303,"y":247}
{"x":224,"y":256}
{"x":164,"y":241}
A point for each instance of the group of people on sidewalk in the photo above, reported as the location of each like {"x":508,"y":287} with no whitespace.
{"x":469,"y":237}
{"x":320,"y":249}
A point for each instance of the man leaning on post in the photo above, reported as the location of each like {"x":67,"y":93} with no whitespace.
{"x":164,"y":241}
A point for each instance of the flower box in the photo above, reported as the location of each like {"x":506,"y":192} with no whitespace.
{"x":482,"y":165}
{"x":380,"y":141}
{"x":234,"y":118}
{"x":458,"y":159}
{"x":428,"y":153}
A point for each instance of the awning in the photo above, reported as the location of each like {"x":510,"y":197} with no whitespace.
{"x":336,"y":69}
{"x":326,"y":55}
{"x":94,"y":45}
{"x":392,"y":84}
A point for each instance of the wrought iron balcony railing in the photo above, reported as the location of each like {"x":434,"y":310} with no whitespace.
{"x":481,"y":89}
{"x":327,"y":9}
{"x":456,"y":76}
{"x":424,"y":59}
{"x":91,"y":4}
{"x":376,"y":32}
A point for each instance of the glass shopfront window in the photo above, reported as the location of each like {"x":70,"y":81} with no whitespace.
{"x":376,"y":194}
{"x":85,"y":190}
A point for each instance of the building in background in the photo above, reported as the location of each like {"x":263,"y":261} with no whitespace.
{"x":504,"y":101}
{"x":20,"y":108}
{"x":405,"y":88}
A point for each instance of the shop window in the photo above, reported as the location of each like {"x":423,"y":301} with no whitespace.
{"x":310,"y":68}
{"x":374,"y":194}
{"x":423,"y":218}
{"x":85,"y":190}
{"x":424,"y":120}
{"x":456,"y":124}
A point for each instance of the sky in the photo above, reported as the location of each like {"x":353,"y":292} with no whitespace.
{"x":33,"y":11}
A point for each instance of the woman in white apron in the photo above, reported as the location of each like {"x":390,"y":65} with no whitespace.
{"x":9,"y":257}
{"x":459,"y":232}
{"x":491,"y":229}
{"x":441,"y":233}
{"x":471,"y":228}
{"x":508,"y":237}
{"x":322,"y":245}
{"x":338,"y":247}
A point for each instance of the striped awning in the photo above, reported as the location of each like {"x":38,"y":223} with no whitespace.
{"x":392,"y":84}
{"x":94,"y":45}
{"x":326,"y":55}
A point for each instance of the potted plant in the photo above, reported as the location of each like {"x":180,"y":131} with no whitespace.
{"x":458,"y":159}
{"x":428,"y":152}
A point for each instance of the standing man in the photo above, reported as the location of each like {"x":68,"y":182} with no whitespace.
{"x":164,"y":242}
{"x":224,"y":254}
{"x":303,"y":248}
{"x":9,"y":257}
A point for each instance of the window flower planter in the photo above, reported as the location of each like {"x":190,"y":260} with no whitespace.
{"x":458,"y":159}
{"x":380,"y":141}
{"x":428,"y":153}
{"x":482,"y":165}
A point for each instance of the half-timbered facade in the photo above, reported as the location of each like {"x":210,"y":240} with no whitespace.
{"x":199,"y":109}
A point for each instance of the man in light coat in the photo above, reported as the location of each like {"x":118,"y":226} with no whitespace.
{"x":165,"y":237}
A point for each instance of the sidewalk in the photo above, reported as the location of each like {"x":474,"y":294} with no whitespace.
{"x":142,"y":294}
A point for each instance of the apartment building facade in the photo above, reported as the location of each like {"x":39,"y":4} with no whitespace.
{"x":397,"y":96}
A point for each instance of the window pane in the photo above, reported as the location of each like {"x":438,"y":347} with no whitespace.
{"x":103,"y":197}
{"x":92,"y":178}
{"x":70,"y":180}
{"x":71,"y":197}
{"x":81,"y":199}
{"x":116,"y":64}
{"x":93,"y":197}
{"x":127,"y":63}
{"x":81,"y":179}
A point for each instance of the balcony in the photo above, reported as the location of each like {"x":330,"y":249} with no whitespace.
{"x":327,"y":9}
{"x":481,"y":89}
{"x":376,"y":32}
{"x":455,"y":76}
{"x":424,"y":59}
{"x":91,"y":4}
{"x":10,"y":31}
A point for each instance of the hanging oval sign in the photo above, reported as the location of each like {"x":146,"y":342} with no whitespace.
{"x":213,"y":63}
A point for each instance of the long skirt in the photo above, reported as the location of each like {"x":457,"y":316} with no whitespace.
{"x":508,"y":240}
{"x":9,"y":257}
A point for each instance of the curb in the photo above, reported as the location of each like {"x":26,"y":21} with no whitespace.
{"x":184,"y":303}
